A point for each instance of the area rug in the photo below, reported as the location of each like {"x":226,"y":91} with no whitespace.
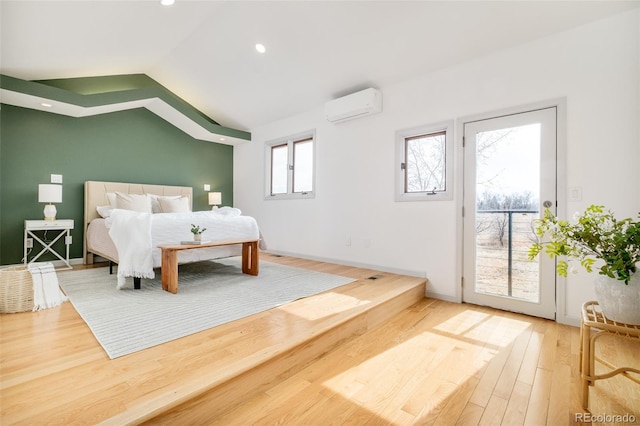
{"x":210,"y":293}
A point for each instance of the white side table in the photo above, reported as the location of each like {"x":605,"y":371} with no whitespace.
{"x":62,"y":226}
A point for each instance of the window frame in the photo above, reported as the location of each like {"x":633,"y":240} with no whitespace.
{"x":402,"y":136}
{"x":290,"y":142}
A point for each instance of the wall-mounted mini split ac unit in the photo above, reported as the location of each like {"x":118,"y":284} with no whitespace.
{"x":355,"y":105}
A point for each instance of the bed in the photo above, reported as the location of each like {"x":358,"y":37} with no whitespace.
{"x":166,"y":228}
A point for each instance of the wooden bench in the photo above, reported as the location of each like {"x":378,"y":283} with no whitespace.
{"x":170,"y":259}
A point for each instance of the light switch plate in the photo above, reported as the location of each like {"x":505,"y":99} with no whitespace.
{"x":575,"y":193}
{"x":207,"y":187}
{"x":56,"y":178}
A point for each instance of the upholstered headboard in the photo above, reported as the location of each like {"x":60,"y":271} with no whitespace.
{"x":95,"y":194}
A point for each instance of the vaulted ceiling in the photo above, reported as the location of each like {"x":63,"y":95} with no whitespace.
{"x":203,"y":51}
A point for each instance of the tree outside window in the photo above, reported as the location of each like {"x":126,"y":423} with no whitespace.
{"x":424,"y":158}
{"x":425,"y":163}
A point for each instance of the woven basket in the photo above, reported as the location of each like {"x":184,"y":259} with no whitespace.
{"x":16,"y":290}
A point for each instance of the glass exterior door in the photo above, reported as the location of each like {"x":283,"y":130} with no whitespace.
{"x":510,"y":178}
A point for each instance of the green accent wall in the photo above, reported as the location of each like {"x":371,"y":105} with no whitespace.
{"x":127,"y":146}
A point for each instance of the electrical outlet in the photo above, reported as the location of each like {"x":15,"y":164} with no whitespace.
{"x":29,"y":242}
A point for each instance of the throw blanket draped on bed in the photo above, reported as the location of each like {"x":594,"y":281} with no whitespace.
{"x":131,"y":234}
{"x":46,"y":292}
{"x":136,"y":236}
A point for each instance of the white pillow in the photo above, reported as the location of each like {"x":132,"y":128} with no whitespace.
{"x":174,"y":205}
{"x":111,"y":196}
{"x":135,"y":202}
{"x":155,"y":204}
{"x":104,"y":211}
{"x":228,"y":211}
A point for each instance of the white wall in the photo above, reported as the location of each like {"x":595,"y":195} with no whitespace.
{"x":596,"y":67}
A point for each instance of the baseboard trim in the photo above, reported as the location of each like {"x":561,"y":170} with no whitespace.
{"x":569,"y":321}
{"x":56,"y":263}
{"x":440,"y":296}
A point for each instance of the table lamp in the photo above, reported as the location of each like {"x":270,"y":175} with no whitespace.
{"x":49,"y":193}
{"x":215,"y":199}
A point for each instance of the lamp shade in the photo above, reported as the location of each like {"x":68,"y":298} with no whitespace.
{"x":215,"y":198}
{"x":49,"y":193}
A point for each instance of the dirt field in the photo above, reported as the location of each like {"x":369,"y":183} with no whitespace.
{"x":492,"y":253}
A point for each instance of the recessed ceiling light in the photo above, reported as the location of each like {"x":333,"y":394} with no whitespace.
{"x":46,"y":105}
{"x":167,"y":2}
{"x":260,"y":48}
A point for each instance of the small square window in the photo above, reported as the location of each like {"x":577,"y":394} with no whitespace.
{"x":424,"y":163}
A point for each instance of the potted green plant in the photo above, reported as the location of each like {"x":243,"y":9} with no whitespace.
{"x":197,"y":232}
{"x":598,"y":241}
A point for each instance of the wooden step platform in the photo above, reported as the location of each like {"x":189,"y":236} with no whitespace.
{"x":54,"y":370}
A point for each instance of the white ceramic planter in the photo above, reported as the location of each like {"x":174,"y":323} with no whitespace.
{"x":619,"y":302}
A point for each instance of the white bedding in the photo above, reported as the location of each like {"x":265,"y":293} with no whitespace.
{"x":170,"y":228}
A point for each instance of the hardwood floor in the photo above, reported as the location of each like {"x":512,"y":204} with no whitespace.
{"x":439,"y":363}
{"x":431,"y":363}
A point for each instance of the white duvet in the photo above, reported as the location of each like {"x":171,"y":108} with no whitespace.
{"x":137,"y":235}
